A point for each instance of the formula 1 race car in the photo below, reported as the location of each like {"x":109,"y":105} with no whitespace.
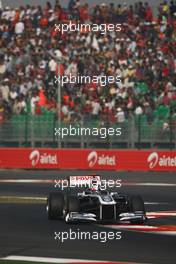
{"x":94,"y":204}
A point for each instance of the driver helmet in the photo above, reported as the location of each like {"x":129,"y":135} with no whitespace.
{"x":94,"y":184}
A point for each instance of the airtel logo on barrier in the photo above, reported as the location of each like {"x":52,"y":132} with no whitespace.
{"x":45,"y":158}
{"x":153,"y":160}
{"x":164,"y":161}
{"x":93,"y":159}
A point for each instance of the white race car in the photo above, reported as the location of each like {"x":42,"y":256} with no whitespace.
{"x":94,"y":204}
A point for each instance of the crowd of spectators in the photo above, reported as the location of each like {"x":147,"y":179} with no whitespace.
{"x":32,"y":52}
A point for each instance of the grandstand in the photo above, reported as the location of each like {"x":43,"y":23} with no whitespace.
{"x":143,"y":53}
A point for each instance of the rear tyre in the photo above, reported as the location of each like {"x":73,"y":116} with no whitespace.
{"x":55,"y":206}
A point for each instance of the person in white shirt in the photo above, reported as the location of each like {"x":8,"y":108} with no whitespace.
{"x":34,"y":100}
{"x":13,"y":95}
{"x":120,"y":115}
{"x":138,"y":110}
{"x":95,"y":108}
{"x":52,"y":65}
{"x":65,"y":110}
{"x":4,"y":90}
{"x":19,"y":27}
{"x":19,"y":106}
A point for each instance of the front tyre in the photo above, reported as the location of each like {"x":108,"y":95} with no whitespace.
{"x":73,"y":204}
{"x":137,"y":206}
{"x":55,"y":206}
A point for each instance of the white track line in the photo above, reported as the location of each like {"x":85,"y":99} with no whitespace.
{"x":155,"y":203}
{"x":161,"y":213}
{"x":45,"y":198}
{"x":58,"y":260}
{"x":128,"y":226}
{"x":23,"y":197}
{"x":47,"y":260}
{"x":25,"y":181}
{"x":170,"y":233}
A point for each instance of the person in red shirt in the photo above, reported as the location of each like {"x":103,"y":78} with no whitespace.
{"x":148,"y":13}
{"x":83,"y":12}
{"x":2,"y":113}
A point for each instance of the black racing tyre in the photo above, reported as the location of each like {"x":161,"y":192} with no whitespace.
{"x":137,"y":204}
{"x":55,"y":206}
{"x":73,"y":204}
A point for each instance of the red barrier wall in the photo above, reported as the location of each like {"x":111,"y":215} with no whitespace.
{"x":134,"y":160}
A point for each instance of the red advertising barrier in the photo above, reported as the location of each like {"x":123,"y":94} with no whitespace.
{"x":133,"y":160}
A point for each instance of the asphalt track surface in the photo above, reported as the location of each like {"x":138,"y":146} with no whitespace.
{"x":26,"y":231}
